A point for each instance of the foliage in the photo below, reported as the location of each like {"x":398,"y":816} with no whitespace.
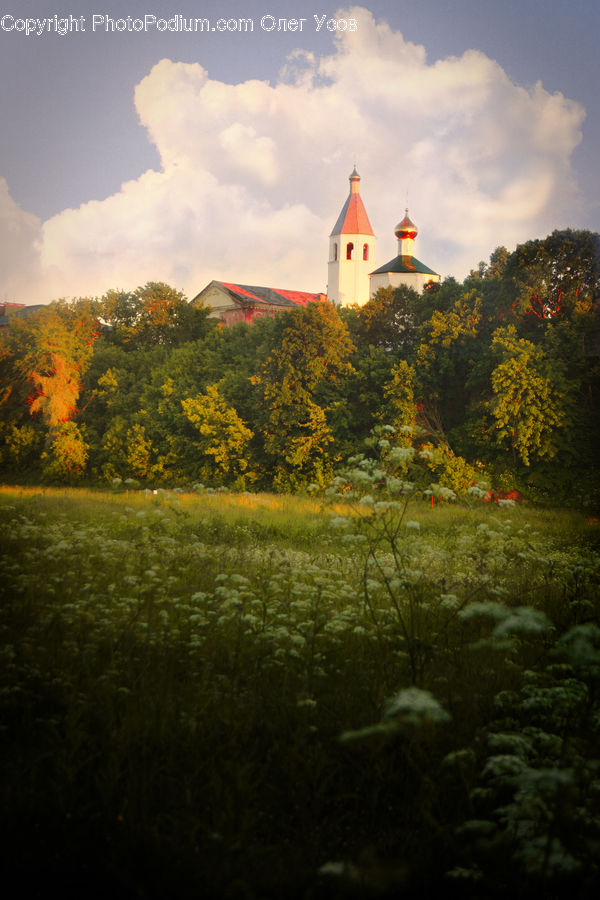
{"x":498,"y":374}
{"x":48,"y":351}
{"x":224,"y":436}
{"x":312,"y":355}
{"x":558,"y":275}
{"x":400,"y":396}
{"x":528,"y":406}
{"x":21,"y":444}
{"x":387,"y":321}
{"x":155,"y":314}
{"x":66,"y":457}
{"x":450,"y":471}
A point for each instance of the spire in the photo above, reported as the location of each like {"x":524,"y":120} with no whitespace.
{"x":353,"y":218}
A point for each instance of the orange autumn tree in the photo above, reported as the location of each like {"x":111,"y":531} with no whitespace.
{"x":50,"y":350}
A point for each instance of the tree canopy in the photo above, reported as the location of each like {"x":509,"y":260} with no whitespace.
{"x":497,"y":375}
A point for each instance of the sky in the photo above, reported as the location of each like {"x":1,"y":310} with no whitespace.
{"x":129,"y":156}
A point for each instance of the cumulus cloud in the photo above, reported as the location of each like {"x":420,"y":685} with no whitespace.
{"x":253,"y":175}
{"x":19,"y":247}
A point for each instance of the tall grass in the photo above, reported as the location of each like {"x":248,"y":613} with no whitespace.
{"x":252,"y":696}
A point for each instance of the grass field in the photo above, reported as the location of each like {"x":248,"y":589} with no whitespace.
{"x":264,"y":696}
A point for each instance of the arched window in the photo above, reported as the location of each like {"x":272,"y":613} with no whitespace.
{"x":335,"y":252}
{"x":365,"y":252}
{"x":349,"y":250}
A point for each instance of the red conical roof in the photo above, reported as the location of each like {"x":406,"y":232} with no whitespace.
{"x":353,"y":218}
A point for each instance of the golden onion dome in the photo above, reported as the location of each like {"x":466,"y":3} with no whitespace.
{"x":406,"y":228}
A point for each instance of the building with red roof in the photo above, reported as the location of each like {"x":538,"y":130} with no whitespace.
{"x":232,"y":303}
{"x":351,"y":274}
{"x":7,"y":310}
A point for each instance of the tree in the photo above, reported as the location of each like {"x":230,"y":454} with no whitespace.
{"x":224,"y":437}
{"x":497,"y":265}
{"x":52,"y":349}
{"x":22,"y":444}
{"x":43,"y":359}
{"x":152,"y":315}
{"x":445,"y":357}
{"x":528,"y":405}
{"x":448,"y":469}
{"x":66,"y":457}
{"x":357,"y":408}
{"x":557,"y":275}
{"x":21,"y":438}
{"x":399,"y":393}
{"x":388,"y":321}
{"x":312,"y":355}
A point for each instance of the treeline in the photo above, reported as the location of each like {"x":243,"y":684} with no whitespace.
{"x":495,"y":378}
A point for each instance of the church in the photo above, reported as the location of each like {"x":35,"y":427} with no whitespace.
{"x":352,"y":276}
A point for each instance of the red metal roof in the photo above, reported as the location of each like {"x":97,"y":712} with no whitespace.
{"x":353,"y":218}
{"x":271,"y":296}
{"x":301,"y":297}
{"x":241,"y":289}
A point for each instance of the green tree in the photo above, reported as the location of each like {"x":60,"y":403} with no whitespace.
{"x":312,"y":355}
{"x":22,"y":443}
{"x":448,"y":469}
{"x":529,"y":405}
{"x":21,"y":438}
{"x":154,"y":315}
{"x":357,"y":407}
{"x":224,"y":437}
{"x":401,"y":409}
{"x":142,"y":460}
{"x":388,"y":321}
{"x":557,"y":275}
{"x":448,"y":351}
{"x":66,"y":457}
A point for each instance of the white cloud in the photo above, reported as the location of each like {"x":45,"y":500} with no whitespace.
{"x":253,"y":175}
{"x":19,"y":248}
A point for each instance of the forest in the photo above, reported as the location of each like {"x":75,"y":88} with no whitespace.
{"x":493,"y":379}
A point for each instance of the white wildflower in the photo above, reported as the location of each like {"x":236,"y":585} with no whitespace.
{"x":414,"y":706}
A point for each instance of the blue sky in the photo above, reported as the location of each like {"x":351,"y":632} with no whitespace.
{"x":230,"y":158}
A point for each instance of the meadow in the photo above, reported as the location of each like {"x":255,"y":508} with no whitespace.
{"x":253,"y":696}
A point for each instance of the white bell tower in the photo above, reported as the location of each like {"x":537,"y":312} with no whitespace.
{"x":351,"y":251}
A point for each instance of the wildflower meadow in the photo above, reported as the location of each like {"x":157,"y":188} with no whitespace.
{"x":354,"y":694}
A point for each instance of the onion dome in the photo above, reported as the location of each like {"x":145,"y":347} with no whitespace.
{"x":406,"y":230}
